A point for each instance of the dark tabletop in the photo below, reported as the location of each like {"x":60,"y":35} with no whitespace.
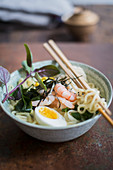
{"x":92,"y":151}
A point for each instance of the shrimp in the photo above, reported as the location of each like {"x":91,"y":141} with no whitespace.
{"x":64,"y":93}
{"x":46,"y":102}
{"x":61,"y":103}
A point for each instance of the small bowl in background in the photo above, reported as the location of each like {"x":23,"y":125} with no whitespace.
{"x":81,"y":23}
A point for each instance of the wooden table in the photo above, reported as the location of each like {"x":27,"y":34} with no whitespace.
{"x":92,"y":151}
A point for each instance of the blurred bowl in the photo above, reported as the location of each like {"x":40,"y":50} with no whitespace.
{"x":81,"y":23}
{"x":60,"y":134}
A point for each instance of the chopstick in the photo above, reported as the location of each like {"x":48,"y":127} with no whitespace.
{"x":57,"y":54}
{"x":69,"y":65}
{"x":53,"y":54}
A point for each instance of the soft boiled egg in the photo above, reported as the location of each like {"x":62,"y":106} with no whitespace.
{"x":49,"y":117}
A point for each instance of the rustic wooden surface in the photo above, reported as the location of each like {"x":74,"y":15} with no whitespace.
{"x":92,"y":151}
{"x":10,"y":32}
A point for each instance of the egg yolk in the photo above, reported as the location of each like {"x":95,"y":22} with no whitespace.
{"x":43,"y":79}
{"x":46,"y":112}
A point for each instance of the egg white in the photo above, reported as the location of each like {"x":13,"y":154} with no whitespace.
{"x":42,"y":120}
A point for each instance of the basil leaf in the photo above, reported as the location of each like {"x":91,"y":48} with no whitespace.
{"x":40,"y":81}
{"x":25,"y":66}
{"x":4,"y":75}
{"x":49,"y":71}
{"x":29,"y":56}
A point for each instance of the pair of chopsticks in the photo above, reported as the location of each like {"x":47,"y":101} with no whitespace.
{"x":61,"y":59}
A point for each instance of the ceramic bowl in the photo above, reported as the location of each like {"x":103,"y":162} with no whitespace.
{"x":61,"y":134}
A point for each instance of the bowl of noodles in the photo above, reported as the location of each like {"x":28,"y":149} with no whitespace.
{"x":66,"y":112}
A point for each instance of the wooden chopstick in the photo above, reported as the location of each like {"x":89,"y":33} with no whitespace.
{"x":57,"y":54}
{"x":69,"y":65}
{"x":50,"y":50}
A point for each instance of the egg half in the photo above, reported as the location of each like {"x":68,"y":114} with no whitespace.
{"x":49,"y":117}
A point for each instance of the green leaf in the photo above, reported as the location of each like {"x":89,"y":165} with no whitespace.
{"x":36,"y":98}
{"x":76,"y":115}
{"x":49,"y":71}
{"x":29,"y":56}
{"x":19,"y":105}
{"x":87,"y":115}
{"x":24,"y":104}
{"x":16,"y":94}
{"x":25,"y":66}
{"x":32,"y":94}
{"x":75,"y":108}
{"x":40,"y":81}
{"x":65,"y":109}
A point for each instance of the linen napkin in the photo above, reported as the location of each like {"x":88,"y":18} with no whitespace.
{"x":33,"y":12}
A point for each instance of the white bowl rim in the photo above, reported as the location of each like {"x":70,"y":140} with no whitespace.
{"x":60,"y":127}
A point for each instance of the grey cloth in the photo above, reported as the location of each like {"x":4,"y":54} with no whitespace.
{"x":91,"y":2}
{"x":33,"y":12}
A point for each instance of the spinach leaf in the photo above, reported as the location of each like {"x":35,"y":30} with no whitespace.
{"x":76,"y":115}
{"x":87,"y":115}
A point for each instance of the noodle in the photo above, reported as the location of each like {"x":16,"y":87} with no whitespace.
{"x":87,"y":100}
{"x":69,"y":118}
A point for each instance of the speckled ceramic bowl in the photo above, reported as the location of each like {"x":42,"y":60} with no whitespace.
{"x":61,"y":134}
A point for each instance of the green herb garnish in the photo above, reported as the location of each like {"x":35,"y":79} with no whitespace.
{"x":49,"y":70}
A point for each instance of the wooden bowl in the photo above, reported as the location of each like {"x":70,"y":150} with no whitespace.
{"x":81,"y":23}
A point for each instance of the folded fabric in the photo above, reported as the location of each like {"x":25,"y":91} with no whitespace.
{"x":33,"y":12}
{"x":26,"y":19}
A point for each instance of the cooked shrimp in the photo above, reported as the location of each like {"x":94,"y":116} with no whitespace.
{"x":61,"y":103}
{"x":46,"y":102}
{"x":63,"y":92}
